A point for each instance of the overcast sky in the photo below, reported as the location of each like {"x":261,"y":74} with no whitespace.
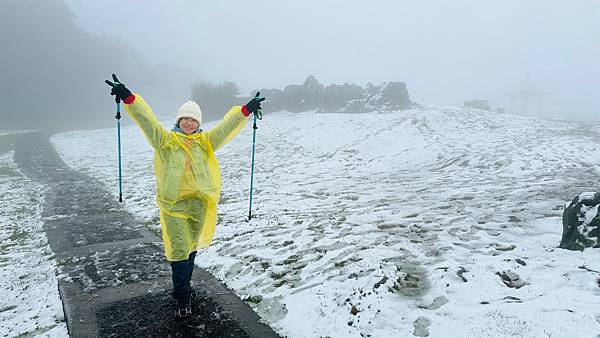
{"x":446,"y":51}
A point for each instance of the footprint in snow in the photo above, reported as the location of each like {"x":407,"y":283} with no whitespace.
{"x":437,"y":303}
{"x":421,"y":327}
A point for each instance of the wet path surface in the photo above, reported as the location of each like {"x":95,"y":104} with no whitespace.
{"x":113,"y":278}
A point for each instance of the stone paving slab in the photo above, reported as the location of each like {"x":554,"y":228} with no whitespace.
{"x":113,"y":278}
{"x":71,"y":232}
{"x":120,"y":318}
{"x":109,"y":268}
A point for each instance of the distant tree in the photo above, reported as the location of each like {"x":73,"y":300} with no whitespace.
{"x":53,"y":71}
{"x":215,"y":100}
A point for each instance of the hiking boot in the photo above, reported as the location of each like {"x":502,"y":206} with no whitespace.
{"x":183,"y":311}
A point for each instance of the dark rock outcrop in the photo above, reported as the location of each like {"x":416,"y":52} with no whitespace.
{"x":337,"y":97}
{"x":346,"y":98}
{"x":389,"y":96}
{"x":581,"y":222}
{"x":308,"y":96}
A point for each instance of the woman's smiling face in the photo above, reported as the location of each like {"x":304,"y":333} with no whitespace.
{"x":188,"y":125}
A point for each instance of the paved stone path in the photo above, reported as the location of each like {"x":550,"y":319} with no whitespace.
{"x":113,"y":278}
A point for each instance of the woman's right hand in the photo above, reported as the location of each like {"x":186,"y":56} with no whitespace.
{"x":118,"y":89}
{"x":254,"y":105}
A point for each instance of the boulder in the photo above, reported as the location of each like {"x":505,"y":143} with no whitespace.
{"x":581,"y":222}
{"x":389,"y":96}
{"x":337,"y":97}
{"x":511,"y":279}
{"x":307,"y":96}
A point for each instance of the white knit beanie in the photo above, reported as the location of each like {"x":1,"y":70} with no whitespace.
{"x":189,"y":109}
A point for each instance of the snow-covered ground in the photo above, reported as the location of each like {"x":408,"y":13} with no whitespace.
{"x":389,"y":225}
{"x":30,"y":305}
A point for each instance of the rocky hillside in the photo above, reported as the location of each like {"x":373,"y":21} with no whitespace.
{"x":347,"y":98}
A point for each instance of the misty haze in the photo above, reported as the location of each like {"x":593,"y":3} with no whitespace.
{"x":299,"y":169}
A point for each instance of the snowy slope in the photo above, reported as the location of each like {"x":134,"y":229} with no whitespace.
{"x":30,"y":305}
{"x":388,"y":225}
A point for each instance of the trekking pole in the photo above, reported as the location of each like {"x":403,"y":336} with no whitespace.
{"x":259,"y":115}
{"x":118,"y":117}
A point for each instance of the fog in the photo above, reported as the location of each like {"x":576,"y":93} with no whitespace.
{"x":53,"y":71}
{"x":446,"y":52}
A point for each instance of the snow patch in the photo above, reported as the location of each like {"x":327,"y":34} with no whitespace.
{"x":29,"y":300}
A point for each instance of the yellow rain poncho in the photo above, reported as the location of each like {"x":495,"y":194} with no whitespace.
{"x":188,"y":178}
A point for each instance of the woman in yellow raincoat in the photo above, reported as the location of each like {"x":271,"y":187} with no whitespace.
{"x":188,"y":179}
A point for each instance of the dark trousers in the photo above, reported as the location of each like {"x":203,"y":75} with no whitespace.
{"x":182,"y":274}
